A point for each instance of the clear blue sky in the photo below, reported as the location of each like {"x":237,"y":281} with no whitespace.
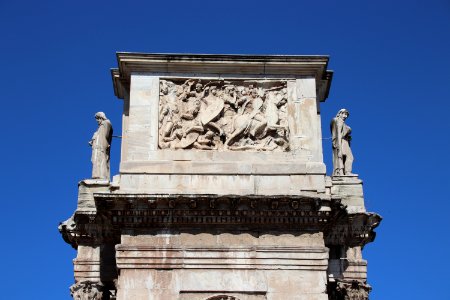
{"x":391,"y":61}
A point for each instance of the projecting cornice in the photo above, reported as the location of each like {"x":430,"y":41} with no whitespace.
{"x":260,"y":66}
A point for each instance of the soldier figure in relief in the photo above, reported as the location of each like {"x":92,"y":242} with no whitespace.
{"x":101,"y":145}
{"x":341,"y":137}
{"x":169,"y":120}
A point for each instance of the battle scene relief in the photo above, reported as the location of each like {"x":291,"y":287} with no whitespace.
{"x":223,"y":115}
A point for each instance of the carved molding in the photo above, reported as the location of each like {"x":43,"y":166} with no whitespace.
{"x":353,"y":229}
{"x":222,"y":297}
{"x":352,"y":290}
{"x":222,"y":258}
{"x":223,"y":115}
{"x":115,"y":212}
{"x":264,"y":66}
{"x":67,"y":228}
{"x":87,"y":228}
{"x":152,"y":211}
{"x":87,"y":290}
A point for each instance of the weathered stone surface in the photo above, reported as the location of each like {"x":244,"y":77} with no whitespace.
{"x":179,"y":284}
{"x":87,"y":263}
{"x":223,"y":184}
{"x":140,"y":135}
{"x":86,"y":190}
{"x":349,"y":189}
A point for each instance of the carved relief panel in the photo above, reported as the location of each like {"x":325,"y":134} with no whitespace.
{"x":224,"y":115}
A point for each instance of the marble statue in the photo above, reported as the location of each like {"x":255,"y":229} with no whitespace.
{"x":101,"y":145}
{"x":223,"y":115}
{"x":341,"y":137}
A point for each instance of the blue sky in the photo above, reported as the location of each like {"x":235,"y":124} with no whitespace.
{"x":391,"y":61}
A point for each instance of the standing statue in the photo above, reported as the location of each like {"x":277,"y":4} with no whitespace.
{"x":341,"y":137}
{"x":101,"y":145}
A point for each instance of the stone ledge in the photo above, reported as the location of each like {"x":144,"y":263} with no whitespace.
{"x":193,"y":212}
{"x":346,"y":179}
{"x":349,"y":188}
{"x":94,"y":182}
{"x":86,"y":188}
{"x":287,"y":258}
{"x":241,"y":184}
{"x":221,"y":168}
{"x":296,"y":156}
{"x":221,"y":65}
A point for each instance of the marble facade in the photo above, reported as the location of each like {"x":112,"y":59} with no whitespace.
{"x":222,"y":191}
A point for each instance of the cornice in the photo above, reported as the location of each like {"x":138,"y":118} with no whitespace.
{"x":354,"y":229}
{"x":229,"y":213}
{"x":288,"y":212}
{"x":288,"y":66}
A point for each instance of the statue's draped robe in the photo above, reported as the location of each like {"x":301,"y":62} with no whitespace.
{"x":340,"y":133}
{"x":101,"y":144}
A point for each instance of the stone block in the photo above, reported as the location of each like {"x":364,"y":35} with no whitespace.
{"x":350,"y":190}
{"x":222,"y":184}
{"x":86,"y":190}
{"x":87,"y":264}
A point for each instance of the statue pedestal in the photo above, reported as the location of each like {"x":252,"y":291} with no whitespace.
{"x":349,"y":188}
{"x":86,"y":189}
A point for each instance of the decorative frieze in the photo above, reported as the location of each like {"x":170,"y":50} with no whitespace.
{"x":153,"y":211}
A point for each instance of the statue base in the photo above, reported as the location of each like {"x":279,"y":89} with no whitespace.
{"x":349,"y":188}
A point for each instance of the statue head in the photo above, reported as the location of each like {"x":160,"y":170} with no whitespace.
{"x":343,"y":114}
{"x":175,"y":109}
{"x":209,"y":135}
{"x":163,"y":87}
{"x":229,"y":90}
{"x":197,"y":105}
{"x":100,"y":117}
{"x":198,"y":87}
{"x":254,"y":91}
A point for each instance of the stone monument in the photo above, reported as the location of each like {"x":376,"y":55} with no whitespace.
{"x":222,"y":191}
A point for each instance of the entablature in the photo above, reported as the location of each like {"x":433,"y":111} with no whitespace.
{"x":184,"y":211}
{"x":288,"y":66}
